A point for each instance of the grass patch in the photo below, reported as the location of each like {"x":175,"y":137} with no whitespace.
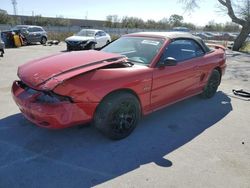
{"x":59,"y":36}
{"x":245,"y":47}
{"x":114,"y":37}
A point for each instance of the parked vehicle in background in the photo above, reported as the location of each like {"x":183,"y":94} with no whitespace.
{"x":204,"y":35}
{"x":31,"y":33}
{"x":135,"y":75}
{"x":1,"y":46}
{"x":88,"y":39}
{"x":181,"y":29}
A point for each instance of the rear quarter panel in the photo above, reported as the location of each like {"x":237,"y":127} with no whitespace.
{"x":216,"y":59}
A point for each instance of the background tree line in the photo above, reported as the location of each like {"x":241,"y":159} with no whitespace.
{"x":114,"y":21}
{"x":174,"y":20}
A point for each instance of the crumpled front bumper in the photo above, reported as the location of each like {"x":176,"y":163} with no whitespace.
{"x":52,"y":115}
{"x":74,"y":45}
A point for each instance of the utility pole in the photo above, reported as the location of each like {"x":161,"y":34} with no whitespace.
{"x":86,"y":16}
{"x":14,"y":3}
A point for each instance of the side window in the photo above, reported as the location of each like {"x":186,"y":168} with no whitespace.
{"x":103,"y":33}
{"x":182,"y":49}
{"x":98,"y":34}
{"x":198,"y":50}
{"x":37,"y":29}
{"x":30,"y":29}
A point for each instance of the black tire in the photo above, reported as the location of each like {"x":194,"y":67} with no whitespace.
{"x":117,"y":115}
{"x":212,"y":85}
{"x":68,"y":48}
{"x":43,"y":40}
{"x":92,"y":46}
{"x":107,"y":42}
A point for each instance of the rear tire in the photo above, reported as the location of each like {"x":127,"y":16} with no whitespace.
{"x":212,"y":85}
{"x":117,"y":115}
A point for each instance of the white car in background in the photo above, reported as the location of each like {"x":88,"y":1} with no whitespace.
{"x":87,"y":39}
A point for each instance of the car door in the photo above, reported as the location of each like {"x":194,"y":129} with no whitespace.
{"x":34,"y":34}
{"x":31,"y":36}
{"x":172,"y":83}
{"x":101,"y":39}
{"x":37,"y":34}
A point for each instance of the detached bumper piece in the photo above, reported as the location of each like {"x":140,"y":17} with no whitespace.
{"x":50,"y":110}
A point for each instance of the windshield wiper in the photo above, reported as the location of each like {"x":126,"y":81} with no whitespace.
{"x":129,"y":63}
{"x":132,"y":60}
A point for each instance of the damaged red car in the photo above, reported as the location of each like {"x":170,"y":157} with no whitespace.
{"x":112,"y":88}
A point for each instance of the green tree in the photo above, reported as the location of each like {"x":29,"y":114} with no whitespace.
{"x":212,"y":26}
{"x":176,"y":20}
{"x":112,"y":21}
{"x":132,"y":22}
{"x":231,"y":27}
{"x":5,"y":18}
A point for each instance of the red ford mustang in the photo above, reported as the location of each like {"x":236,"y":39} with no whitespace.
{"x":133,"y":76}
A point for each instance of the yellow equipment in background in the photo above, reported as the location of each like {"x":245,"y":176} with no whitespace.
{"x":17,"y":40}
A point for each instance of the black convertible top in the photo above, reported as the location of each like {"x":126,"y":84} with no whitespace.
{"x":172,"y":36}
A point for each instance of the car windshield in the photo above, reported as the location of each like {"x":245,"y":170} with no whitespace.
{"x":86,"y":33}
{"x":136,"y":49}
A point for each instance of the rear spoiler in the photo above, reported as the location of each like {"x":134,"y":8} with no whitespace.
{"x":216,"y":46}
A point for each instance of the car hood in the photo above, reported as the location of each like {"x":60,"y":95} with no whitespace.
{"x":79,"y":38}
{"x":48,"y":72}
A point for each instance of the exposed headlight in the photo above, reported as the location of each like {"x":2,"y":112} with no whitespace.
{"x":51,"y":97}
{"x":44,"y":96}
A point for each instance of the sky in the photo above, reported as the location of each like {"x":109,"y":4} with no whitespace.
{"x":98,"y":10}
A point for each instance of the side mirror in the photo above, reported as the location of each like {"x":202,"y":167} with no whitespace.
{"x":169,"y":61}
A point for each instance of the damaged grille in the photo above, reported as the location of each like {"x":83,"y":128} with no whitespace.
{"x":76,"y":43}
{"x":44,"y":96}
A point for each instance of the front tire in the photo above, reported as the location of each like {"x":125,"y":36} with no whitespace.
{"x":68,"y":48}
{"x":212,"y":85}
{"x":43,"y":40}
{"x":92,"y":46}
{"x":117,"y":115}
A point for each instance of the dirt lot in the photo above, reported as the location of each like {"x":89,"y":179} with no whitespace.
{"x":194,"y":143}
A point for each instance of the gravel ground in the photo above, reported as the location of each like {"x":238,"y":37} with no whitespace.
{"x":194,"y":143}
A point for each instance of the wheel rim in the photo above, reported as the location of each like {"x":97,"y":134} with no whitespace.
{"x":212,"y":86}
{"x":123,"y":118}
{"x":43,"y":40}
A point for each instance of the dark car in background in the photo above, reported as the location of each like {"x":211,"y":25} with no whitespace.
{"x":32,"y":33}
{"x":181,"y":29}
